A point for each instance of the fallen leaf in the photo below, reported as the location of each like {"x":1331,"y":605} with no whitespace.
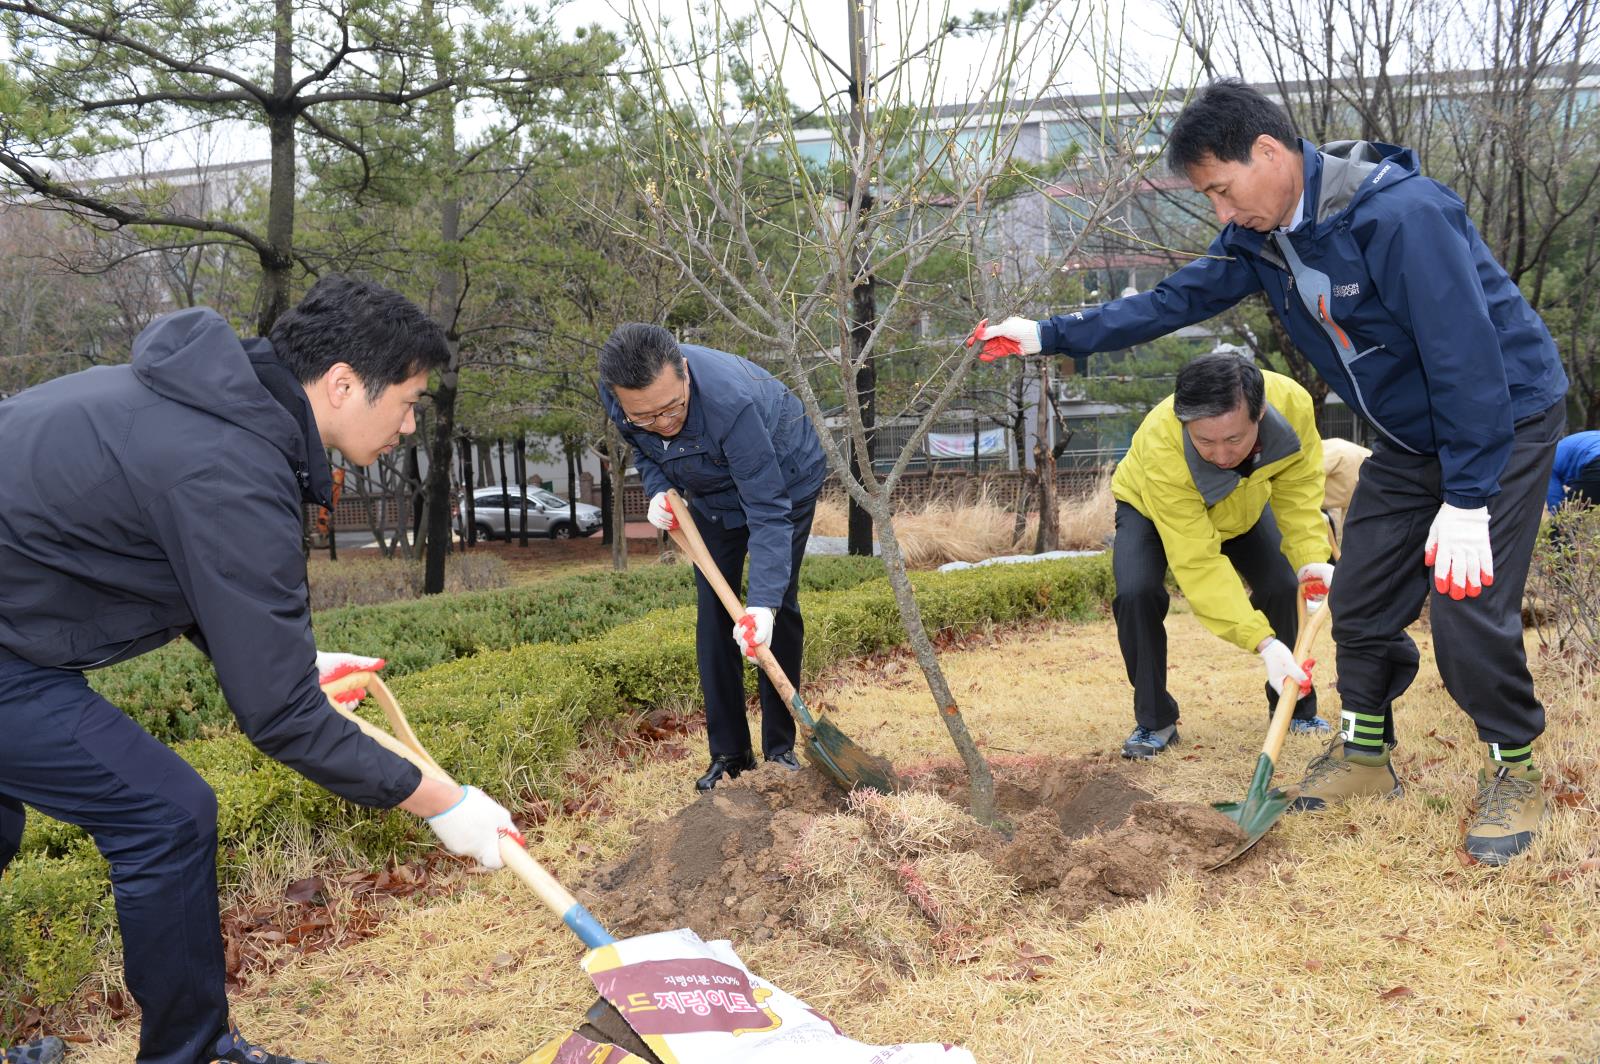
{"x":1395,"y":993}
{"x":1465,"y":859}
{"x":1313,"y":965}
{"x":305,"y":890}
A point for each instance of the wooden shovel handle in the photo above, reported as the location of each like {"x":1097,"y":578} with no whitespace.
{"x":687,"y":537}
{"x":1311,"y":625}
{"x":512,"y":852}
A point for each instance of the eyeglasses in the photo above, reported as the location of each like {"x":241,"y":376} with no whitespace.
{"x":644,"y":421}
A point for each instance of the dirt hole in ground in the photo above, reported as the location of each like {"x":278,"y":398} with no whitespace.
{"x":911,"y":877}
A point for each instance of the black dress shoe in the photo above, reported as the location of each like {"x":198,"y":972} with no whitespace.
{"x":729,"y":765}
{"x":786,"y":759}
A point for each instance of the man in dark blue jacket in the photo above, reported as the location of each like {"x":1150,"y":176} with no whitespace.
{"x":1385,"y":286}
{"x":735,"y":440}
{"x":163,"y":498}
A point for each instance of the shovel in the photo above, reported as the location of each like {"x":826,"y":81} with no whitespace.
{"x":830,"y":750}
{"x":603,"y":1019}
{"x":1262,"y":806}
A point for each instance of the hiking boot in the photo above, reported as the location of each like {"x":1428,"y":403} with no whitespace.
{"x":725,"y":765}
{"x":1309,"y":726}
{"x":1510,"y":806}
{"x":46,"y":1050}
{"x":231,"y":1048}
{"x":1334,"y":776}
{"x":1146,"y":743}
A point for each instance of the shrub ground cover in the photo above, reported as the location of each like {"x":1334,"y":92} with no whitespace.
{"x":173,"y":691}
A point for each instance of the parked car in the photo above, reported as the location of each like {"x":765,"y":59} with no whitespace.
{"x":548,"y":514}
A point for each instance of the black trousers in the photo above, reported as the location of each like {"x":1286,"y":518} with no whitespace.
{"x":1382,"y":584}
{"x":722,"y":663}
{"x":1139,"y":565}
{"x":1586,"y":485}
{"x":74,"y":756}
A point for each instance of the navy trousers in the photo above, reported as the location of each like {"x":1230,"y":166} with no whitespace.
{"x":1382,"y":585}
{"x":1139,"y":566}
{"x":722,"y":663}
{"x":74,"y":756}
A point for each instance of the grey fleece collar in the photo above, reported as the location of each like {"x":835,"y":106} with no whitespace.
{"x":1278,"y":440}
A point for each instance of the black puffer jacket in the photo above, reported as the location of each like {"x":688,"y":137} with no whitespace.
{"x":147,"y":501}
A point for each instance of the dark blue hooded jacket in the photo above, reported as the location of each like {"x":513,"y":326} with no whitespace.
{"x":746,"y":450}
{"x":163,"y":498}
{"x":1390,"y":292}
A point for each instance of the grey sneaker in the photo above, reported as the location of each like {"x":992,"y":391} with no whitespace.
{"x":1146,"y":743}
{"x":1309,"y":726}
{"x":46,"y":1050}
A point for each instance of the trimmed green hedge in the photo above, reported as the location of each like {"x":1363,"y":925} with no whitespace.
{"x":503,"y":719}
{"x":173,"y":691}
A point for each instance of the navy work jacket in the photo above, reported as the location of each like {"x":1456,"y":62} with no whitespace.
{"x":1392,"y":295}
{"x":163,"y":498}
{"x":745,"y":453}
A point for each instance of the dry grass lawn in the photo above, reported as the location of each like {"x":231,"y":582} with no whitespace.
{"x":1357,"y":936}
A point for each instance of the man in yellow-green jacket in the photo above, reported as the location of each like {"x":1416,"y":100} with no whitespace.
{"x":1223,"y":483}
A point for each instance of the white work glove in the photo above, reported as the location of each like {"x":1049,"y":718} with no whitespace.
{"x":1316,"y":580}
{"x":1014,"y":336}
{"x":331,"y":667}
{"x":1281,"y":666}
{"x":1458,"y":550}
{"x":754,"y":629}
{"x":660,"y":513}
{"x":473,"y":827}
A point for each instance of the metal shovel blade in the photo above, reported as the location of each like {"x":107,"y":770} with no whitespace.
{"x":1260,"y":809}
{"x":840,"y":757}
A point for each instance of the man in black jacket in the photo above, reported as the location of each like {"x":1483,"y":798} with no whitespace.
{"x":163,"y":498}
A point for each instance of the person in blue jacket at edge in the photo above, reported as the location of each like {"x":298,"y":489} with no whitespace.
{"x":736,"y":442}
{"x":1575,"y":476}
{"x":161,"y":498}
{"x":1385,"y":286}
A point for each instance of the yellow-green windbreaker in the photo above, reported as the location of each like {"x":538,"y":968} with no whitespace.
{"x":1196,"y":506}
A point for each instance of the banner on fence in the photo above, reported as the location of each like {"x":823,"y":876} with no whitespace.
{"x":959,"y":445}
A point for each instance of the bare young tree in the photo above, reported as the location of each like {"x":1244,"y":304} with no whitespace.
{"x":784,"y":216}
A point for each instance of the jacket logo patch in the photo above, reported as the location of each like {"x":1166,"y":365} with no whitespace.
{"x":1382,"y":170}
{"x":1344,"y":291}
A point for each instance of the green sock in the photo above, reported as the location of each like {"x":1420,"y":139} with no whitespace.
{"x":1511,"y":755}
{"x":1363,"y":732}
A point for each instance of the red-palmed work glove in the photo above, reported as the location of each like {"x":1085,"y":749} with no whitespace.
{"x":1458,"y":549}
{"x":1014,"y":336}
{"x":1281,"y":666}
{"x":331,"y":667}
{"x":1316,"y":580}
{"x":661,"y":514}
{"x":754,"y":629}
{"x":473,"y":826}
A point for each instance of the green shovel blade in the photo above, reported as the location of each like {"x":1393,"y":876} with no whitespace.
{"x":840,"y":757}
{"x":1260,"y":809}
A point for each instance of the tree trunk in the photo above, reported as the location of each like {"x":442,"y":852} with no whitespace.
{"x":505,"y":491}
{"x":1044,"y":460}
{"x":863,"y":294}
{"x":572,"y":484}
{"x":617,"y":448}
{"x":468,"y":487}
{"x":276,"y":265}
{"x":439,"y":465}
{"x":979,"y":775}
{"x":522,"y":492}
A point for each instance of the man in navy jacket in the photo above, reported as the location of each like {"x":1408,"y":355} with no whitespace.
{"x":1385,"y":286}
{"x":163,"y":498}
{"x":737,"y":442}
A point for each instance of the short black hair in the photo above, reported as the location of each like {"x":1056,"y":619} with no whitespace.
{"x":1213,"y":385}
{"x":635,"y":352}
{"x":384,"y":336}
{"x":1223,"y":122}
